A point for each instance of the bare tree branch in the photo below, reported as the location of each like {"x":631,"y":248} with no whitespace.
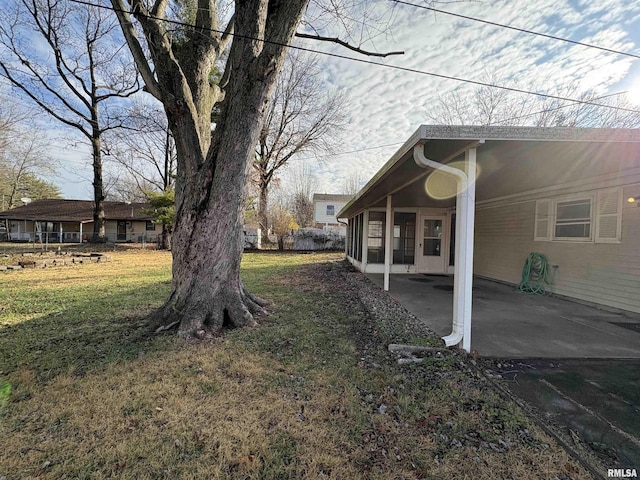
{"x":346,"y":45}
{"x":135,"y":47}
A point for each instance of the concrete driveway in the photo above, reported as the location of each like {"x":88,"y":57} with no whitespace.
{"x":507,"y":324}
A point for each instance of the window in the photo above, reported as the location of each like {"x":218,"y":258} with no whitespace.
{"x":375,"y":237}
{"x":432,"y":238}
{"x":354,"y":237}
{"x":573,"y":219}
{"x":595,"y":217}
{"x":150,"y":226}
{"x":404,"y":238}
{"x":331,"y":210}
{"x":359,"y":225}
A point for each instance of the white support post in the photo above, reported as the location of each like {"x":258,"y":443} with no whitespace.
{"x":365,"y":240}
{"x":388,"y":244}
{"x":463,"y":269}
{"x":60,"y":233}
{"x":80,"y":232}
{"x":470,"y":200}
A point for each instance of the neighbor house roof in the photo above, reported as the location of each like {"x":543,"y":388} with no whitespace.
{"x":509,"y":159}
{"x":59,"y":210}
{"x":331,"y":197}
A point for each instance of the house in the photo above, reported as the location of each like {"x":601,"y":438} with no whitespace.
{"x":326,"y":207}
{"x":468,"y":200}
{"x":58,"y":221}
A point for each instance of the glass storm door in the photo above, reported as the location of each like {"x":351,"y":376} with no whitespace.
{"x":431,"y":245}
{"x":122,"y":230}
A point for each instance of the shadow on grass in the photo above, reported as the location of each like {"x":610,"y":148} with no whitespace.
{"x":102,"y":330}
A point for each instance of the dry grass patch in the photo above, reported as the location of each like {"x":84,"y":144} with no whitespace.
{"x":95,"y":395}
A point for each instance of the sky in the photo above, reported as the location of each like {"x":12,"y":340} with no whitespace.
{"x":386,"y":106}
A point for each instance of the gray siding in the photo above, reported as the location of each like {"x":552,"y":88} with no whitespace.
{"x":602,"y":273}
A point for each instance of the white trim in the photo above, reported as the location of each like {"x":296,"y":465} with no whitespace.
{"x":617,"y":215}
{"x":388,"y":243}
{"x":365,"y":235}
{"x":445,"y":241}
{"x":396,"y":268}
{"x":541,"y":215}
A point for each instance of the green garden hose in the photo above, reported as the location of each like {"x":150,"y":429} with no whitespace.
{"x":535,"y":275}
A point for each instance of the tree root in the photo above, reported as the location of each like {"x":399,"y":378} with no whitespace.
{"x":208,"y":317}
{"x":164,"y":328}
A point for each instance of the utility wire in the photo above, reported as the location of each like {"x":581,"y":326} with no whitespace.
{"x":523,"y":30}
{"x":546,"y":110}
{"x":369,"y":62}
{"x":360,"y":150}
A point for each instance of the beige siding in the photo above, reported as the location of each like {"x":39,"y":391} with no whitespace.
{"x":602,"y":273}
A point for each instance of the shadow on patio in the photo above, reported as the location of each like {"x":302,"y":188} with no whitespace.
{"x":507,"y":324}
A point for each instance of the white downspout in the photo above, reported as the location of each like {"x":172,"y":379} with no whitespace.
{"x":463,"y":269}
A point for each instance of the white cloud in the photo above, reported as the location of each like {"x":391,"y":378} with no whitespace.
{"x":387,"y":105}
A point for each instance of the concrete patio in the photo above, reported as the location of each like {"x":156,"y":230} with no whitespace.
{"x":506,"y":324}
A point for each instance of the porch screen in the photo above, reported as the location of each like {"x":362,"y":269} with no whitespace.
{"x":404,"y":238}
{"x":375,"y":240}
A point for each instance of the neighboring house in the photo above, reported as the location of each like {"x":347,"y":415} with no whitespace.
{"x":566,"y":193}
{"x":326,"y":207}
{"x":70,"y":221}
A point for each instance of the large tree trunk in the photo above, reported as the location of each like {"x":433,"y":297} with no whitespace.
{"x":207,"y":242}
{"x":207,"y":293}
{"x":98,"y":193}
{"x":263,"y":203}
{"x":99,"y":233}
{"x":165,"y":238}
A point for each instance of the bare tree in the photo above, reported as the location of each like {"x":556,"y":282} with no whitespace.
{"x":11,"y":117}
{"x":490,"y":106}
{"x":283,"y":223}
{"x":213,"y":165}
{"x":73,"y":71}
{"x":302,"y":118}
{"x":353,"y":183}
{"x":22,"y":161}
{"x":121,"y":186}
{"x":145,"y":148}
{"x":303,"y":186}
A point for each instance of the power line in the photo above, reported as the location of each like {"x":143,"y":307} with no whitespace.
{"x":547,"y":110}
{"x":522,"y":30}
{"x":360,"y":150}
{"x":370,"y":62}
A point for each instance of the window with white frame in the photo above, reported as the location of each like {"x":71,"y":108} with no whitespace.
{"x":582,"y":218}
{"x":573,"y":219}
{"x":331,"y":210}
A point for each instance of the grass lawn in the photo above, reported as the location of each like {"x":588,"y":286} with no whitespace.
{"x":88,"y":392}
